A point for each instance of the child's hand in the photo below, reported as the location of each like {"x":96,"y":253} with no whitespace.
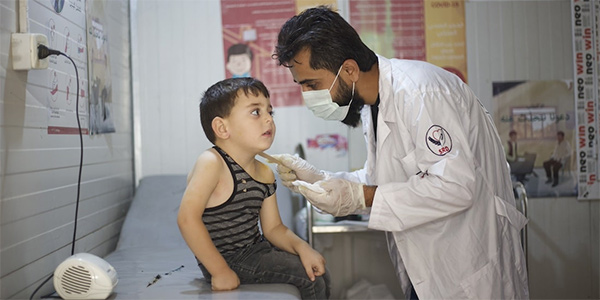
{"x":313,"y":262}
{"x":225,"y":281}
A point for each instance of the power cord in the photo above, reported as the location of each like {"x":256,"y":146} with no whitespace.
{"x":44,"y":52}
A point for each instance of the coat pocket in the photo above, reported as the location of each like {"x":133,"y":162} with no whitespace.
{"x":486,"y":283}
{"x":514,"y":216}
{"x":409,"y":164}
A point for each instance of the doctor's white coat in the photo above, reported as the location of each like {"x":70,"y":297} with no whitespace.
{"x":444,"y":192}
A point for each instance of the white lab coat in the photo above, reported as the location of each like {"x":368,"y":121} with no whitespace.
{"x":444,"y":193}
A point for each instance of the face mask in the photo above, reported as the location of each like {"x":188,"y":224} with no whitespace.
{"x":322,"y":105}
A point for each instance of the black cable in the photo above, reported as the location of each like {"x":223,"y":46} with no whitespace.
{"x":40,"y":286}
{"x":44,"y":52}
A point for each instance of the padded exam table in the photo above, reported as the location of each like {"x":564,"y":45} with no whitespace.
{"x":152,"y":260}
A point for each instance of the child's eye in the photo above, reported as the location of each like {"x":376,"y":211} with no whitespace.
{"x":272,"y":113}
{"x":255,"y":112}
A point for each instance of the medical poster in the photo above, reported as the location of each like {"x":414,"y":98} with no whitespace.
{"x":101,"y":110}
{"x":537,"y":125}
{"x":250,"y":29}
{"x":445,"y":37}
{"x":586,"y":51}
{"x":432,"y":31}
{"x":328,"y":151}
{"x":55,"y":88}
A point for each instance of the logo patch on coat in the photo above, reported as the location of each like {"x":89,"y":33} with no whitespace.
{"x":438,"y":140}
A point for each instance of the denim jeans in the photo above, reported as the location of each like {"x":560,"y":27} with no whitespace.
{"x":264,"y":263}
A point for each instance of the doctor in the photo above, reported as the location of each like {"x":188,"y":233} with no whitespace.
{"x":436,"y":178}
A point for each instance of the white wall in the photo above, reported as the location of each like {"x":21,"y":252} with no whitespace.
{"x":506,"y":40}
{"x":38,"y":172}
{"x":178,"y":56}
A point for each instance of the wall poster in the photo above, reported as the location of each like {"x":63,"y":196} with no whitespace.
{"x":250,"y":30}
{"x":536,"y":123}
{"x":432,"y":31}
{"x":55,"y":88}
{"x":101,"y":120}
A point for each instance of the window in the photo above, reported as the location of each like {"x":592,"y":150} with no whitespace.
{"x":535,"y":122}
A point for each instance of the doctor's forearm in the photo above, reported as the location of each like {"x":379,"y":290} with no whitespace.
{"x":369,"y":192}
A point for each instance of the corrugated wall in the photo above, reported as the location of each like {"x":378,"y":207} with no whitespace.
{"x":39,"y":171}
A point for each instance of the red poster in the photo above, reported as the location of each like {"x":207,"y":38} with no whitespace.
{"x":250,"y":30}
{"x":394,"y":29}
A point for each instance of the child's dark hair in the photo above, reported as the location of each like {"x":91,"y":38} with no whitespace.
{"x":218,"y":100}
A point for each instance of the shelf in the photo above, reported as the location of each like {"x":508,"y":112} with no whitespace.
{"x":341,"y":226}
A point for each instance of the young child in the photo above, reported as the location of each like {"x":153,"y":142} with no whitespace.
{"x":229,"y":191}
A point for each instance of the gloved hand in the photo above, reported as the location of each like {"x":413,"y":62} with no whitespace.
{"x":294,"y":168}
{"x":336,"y":196}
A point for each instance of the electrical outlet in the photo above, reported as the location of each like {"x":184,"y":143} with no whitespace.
{"x":25,"y":52}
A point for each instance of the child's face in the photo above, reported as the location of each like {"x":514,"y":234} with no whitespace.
{"x":251,"y":122}
{"x":239,"y":64}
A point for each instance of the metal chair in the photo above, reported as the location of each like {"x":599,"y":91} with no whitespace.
{"x":521,"y":204}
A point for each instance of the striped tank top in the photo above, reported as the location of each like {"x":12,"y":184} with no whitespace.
{"x":233,"y":225}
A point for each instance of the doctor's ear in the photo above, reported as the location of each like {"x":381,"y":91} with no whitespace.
{"x":350,"y":67}
{"x":219,"y":127}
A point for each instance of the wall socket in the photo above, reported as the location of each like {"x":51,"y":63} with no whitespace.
{"x":25,"y":52}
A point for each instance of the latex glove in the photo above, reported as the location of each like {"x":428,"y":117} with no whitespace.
{"x":293,"y":168}
{"x":336,"y":196}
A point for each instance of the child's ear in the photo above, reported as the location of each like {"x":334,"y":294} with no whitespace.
{"x":219,"y":126}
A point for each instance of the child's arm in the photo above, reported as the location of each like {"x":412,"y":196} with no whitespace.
{"x":201,"y":183}
{"x":283,"y":238}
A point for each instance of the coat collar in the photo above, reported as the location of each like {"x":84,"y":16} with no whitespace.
{"x":386,"y":91}
{"x":386,"y":96}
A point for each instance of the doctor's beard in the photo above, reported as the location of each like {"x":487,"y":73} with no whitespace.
{"x":344,"y":96}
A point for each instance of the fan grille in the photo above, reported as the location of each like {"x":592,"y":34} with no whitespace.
{"x":76,"y":280}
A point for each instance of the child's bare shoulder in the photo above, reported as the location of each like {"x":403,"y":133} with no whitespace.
{"x":265,"y":173}
{"x":208,"y":161}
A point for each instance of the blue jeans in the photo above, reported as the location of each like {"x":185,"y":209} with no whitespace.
{"x":264,"y":263}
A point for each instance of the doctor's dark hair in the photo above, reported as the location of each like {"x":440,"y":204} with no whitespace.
{"x":330,"y":39}
{"x":219,"y":99}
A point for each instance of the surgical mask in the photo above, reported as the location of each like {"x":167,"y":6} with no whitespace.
{"x":322,"y":105}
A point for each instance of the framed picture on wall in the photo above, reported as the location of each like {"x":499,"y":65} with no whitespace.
{"x":536,"y":122}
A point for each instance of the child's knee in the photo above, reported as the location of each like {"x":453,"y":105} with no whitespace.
{"x":321,"y":286}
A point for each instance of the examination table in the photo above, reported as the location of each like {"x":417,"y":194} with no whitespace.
{"x":152,"y":260}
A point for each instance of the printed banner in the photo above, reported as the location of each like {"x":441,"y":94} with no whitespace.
{"x":586,"y":64}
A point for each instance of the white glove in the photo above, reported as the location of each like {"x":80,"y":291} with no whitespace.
{"x":336,"y":196}
{"x":296,"y":168}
